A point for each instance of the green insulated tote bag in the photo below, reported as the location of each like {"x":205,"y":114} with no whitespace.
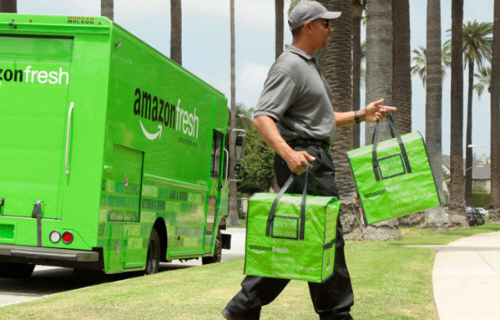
{"x":393,"y":177}
{"x":291,"y":236}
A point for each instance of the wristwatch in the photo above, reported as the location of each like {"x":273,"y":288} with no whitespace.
{"x":356,"y":117}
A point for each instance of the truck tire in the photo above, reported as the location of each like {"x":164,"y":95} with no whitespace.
{"x":16,"y":270}
{"x":154,"y":253}
{"x":217,"y":252}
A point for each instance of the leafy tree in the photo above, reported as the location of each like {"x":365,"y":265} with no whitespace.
{"x":259,"y":157}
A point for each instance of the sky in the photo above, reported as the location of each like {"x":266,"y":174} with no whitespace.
{"x":206,"y":46}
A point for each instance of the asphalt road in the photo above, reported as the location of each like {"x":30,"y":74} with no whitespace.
{"x":49,"y":280}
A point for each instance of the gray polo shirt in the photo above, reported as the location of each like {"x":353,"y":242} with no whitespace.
{"x":298,"y":98}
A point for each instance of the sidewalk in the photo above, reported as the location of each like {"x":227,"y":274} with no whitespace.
{"x":466,"y":278}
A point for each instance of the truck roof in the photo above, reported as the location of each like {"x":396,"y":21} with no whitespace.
{"x":66,"y":25}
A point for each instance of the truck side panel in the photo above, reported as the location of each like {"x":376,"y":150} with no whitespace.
{"x":165,"y":113}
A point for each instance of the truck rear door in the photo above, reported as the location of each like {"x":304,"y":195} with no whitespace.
{"x":215,"y":188}
{"x":34,"y":118}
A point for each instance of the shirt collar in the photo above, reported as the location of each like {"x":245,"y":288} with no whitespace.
{"x":298,"y":51}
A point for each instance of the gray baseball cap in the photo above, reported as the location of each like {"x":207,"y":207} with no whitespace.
{"x":309,"y":11}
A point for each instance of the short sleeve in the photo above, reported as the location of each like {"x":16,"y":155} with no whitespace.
{"x":278,"y":94}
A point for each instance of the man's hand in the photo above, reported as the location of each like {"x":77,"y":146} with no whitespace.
{"x":375,"y":111}
{"x":297,"y":161}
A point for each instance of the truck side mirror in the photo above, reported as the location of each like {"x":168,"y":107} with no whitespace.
{"x":240,"y":148}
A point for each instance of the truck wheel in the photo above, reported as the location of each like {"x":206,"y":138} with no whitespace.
{"x":217,"y":252}
{"x":16,"y":270}
{"x":154,"y":253}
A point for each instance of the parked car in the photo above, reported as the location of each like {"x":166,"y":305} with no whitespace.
{"x":474,"y":217}
{"x":483,"y":211}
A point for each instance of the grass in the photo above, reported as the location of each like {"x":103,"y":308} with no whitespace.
{"x":390,"y":281}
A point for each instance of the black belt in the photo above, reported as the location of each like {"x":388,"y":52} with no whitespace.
{"x":299,"y":142}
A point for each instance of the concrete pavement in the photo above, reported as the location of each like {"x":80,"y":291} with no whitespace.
{"x":466,"y":278}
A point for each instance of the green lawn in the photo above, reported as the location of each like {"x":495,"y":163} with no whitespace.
{"x":390,"y":280}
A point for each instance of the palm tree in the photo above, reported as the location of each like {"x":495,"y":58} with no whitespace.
{"x":379,"y":59}
{"x":335,"y":62}
{"x":233,"y":203}
{"x":379,"y":39}
{"x":495,"y":118}
{"x":279,"y":6}
{"x":456,"y":204}
{"x":358,"y":7}
{"x":107,"y":9}
{"x":435,"y":218}
{"x":176,"y":31}
{"x":419,"y":63}
{"x":336,"y":66}
{"x":401,"y":81}
{"x":483,"y":77}
{"x":8,"y":6}
{"x":477,"y":47}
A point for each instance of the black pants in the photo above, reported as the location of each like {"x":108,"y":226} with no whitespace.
{"x":333,"y":298}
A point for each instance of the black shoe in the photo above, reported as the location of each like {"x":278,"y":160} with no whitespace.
{"x":229,"y":316}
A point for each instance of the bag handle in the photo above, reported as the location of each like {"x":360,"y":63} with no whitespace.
{"x":285,"y":187}
{"x":394,"y":134}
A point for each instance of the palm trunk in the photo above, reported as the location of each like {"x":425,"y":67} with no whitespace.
{"x":495,"y":118}
{"x":379,"y":34}
{"x":336,"y":66}
{"x":468,"y":139}
{"x":435,"y":218}
{"x":356,"y":68}
{"x":176,"y":31}
{"x":279,"y":6}
{"x":457,"y":201}
{"x":107,"y":9}
{"x":378,"y":60}
{"x":8,"y":6}
{"x":233,"y":202}
{"x":401,"y":83}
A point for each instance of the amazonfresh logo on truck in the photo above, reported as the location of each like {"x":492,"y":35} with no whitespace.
{"x":32,"y":75}
{"x":150,"y":107}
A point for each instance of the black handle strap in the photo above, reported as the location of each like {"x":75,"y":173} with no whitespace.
{"x":285,"y":187}
{"x":394,"y":134}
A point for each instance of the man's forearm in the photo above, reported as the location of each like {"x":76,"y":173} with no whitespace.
{"x":269,"y":132}
{"x":296,"y":160}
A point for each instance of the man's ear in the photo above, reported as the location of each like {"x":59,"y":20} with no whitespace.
{"x":308,"y":26}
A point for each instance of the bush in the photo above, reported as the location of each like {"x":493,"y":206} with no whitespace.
{"x":481,"y":199}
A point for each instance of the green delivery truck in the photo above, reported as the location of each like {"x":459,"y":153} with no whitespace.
{"x":112,"y":157}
